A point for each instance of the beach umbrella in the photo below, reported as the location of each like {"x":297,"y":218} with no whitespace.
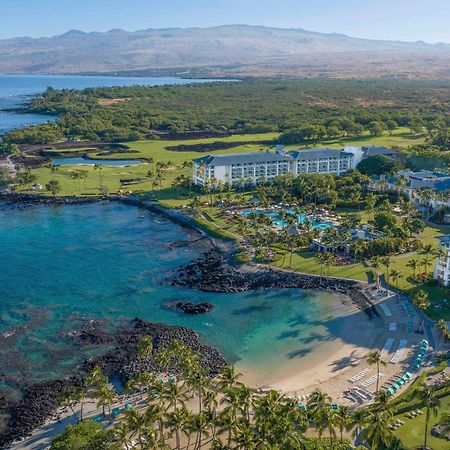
{"x":116,"y":411}
{"x":390,"y":391}
{"x":334,"y":406}
{"x":302,"y":406}
{"x":408,"y":374}
{"x":128,"y":406}
{"x":394,"y":387}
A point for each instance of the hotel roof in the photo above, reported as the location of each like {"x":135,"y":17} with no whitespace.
{"x":370,"y":150}
{"x":320,"y":153}
{"x":241,"y":158}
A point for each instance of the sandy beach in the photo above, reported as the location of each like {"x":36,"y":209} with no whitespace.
{"x":330,"y":367}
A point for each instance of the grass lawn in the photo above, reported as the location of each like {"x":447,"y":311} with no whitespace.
{"x":170,"y":197}
{"x":156,"y":149}
{"x":412,"y":432}
{"x":305,"y":262}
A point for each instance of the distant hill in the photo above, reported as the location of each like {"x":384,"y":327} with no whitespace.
{"x":224,"y":50}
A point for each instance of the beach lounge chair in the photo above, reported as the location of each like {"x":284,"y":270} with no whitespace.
{"x":387,"y":346}
{"x":358,"y":376}
{"x":400,"y":351}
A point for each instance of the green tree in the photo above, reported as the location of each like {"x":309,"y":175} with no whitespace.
{"x":83,"y":436}
{"x":431,"y":401}
{"x":375,"y":128}
{"x":54,"y":187}
{"x":376,"y":358}
{"x":379,"y":165}
{"x":422,"y":302}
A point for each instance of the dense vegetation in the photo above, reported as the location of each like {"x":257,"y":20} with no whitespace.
{"x":303,"y":110}
{"x":193,"y":411}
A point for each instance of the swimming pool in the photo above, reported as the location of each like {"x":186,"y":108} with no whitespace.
{"x":278,"y":221}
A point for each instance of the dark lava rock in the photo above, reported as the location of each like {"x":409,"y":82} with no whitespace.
{"x":40,"y":401}
{"x":190,"y":308}
{"x":211,"y":273}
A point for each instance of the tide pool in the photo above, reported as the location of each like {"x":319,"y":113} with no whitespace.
{"x":64,"y":265}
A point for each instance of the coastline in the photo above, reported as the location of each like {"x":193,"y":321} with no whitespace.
{"x":213,"y":273}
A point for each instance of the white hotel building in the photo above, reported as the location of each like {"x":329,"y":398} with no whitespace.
{"x":251,"y":168}
{"x":442,"y":264}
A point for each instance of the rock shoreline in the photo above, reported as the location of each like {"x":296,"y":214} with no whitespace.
{"x":209,"y":273}
{"x":212,"y":273}
{"x":40,"y":401}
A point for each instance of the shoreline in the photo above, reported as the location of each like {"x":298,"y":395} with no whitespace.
{"x":39,"y":402}
{"x":212,"y":272}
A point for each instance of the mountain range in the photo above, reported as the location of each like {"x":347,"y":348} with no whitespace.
{"x":229,"y":50}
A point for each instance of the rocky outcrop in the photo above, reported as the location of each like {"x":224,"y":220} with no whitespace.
{"x":211,"y":273}
{"x":40,"y":401}
{"x":190,"y":308}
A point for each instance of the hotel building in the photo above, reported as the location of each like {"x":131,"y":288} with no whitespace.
{"x":260,"y":167}
{"x":442,"y":264}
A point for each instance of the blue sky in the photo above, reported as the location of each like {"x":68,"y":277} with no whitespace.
{"x":409,"y":20}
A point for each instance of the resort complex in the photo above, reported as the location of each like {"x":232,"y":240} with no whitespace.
{"x":261,"y":167}
{"x":191,"y":264}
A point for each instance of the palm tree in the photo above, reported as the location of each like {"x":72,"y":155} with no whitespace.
{"x":344,"y":419}
{"x":360,"y":246}
{"x":375,"y":265}
{"x":386,"y":261}
{"x":122,"y":435}
{"x":432,"y":403}
{"x":376,"y":358}
{"x":329,"y":260}
{"x":145,"y":347}
{"x":382,"y":404}
{"x":228,"y":378}
{"x":136,"y":423}
{"x":68,"y":398}
{"x":176,"y":420}
{"x":443,"y":328}
{"x":99,"y":168}
{"x":422,"y":302}
{"x":377,"y":431}
{"x":320,"y":259}
{"x":244,"y":437}
{"x":359,"y":421}
{"x":105,"y":396}
{"x":428,"y":250}
{"x":413,"y":264}
{"x":396,"y":275}
{"x":318,"y":405}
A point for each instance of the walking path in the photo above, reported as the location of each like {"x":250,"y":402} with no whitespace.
{"x":8,"y":165}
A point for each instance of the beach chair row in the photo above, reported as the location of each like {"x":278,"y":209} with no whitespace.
{"x":358,"y":376}
{"x":371,"y":380}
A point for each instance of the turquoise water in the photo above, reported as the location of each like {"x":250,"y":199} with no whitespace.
{"x":279,"y":222}
{"x":100,"y":162}
{"x":64,"y":265}
{"x":15,"y":91}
